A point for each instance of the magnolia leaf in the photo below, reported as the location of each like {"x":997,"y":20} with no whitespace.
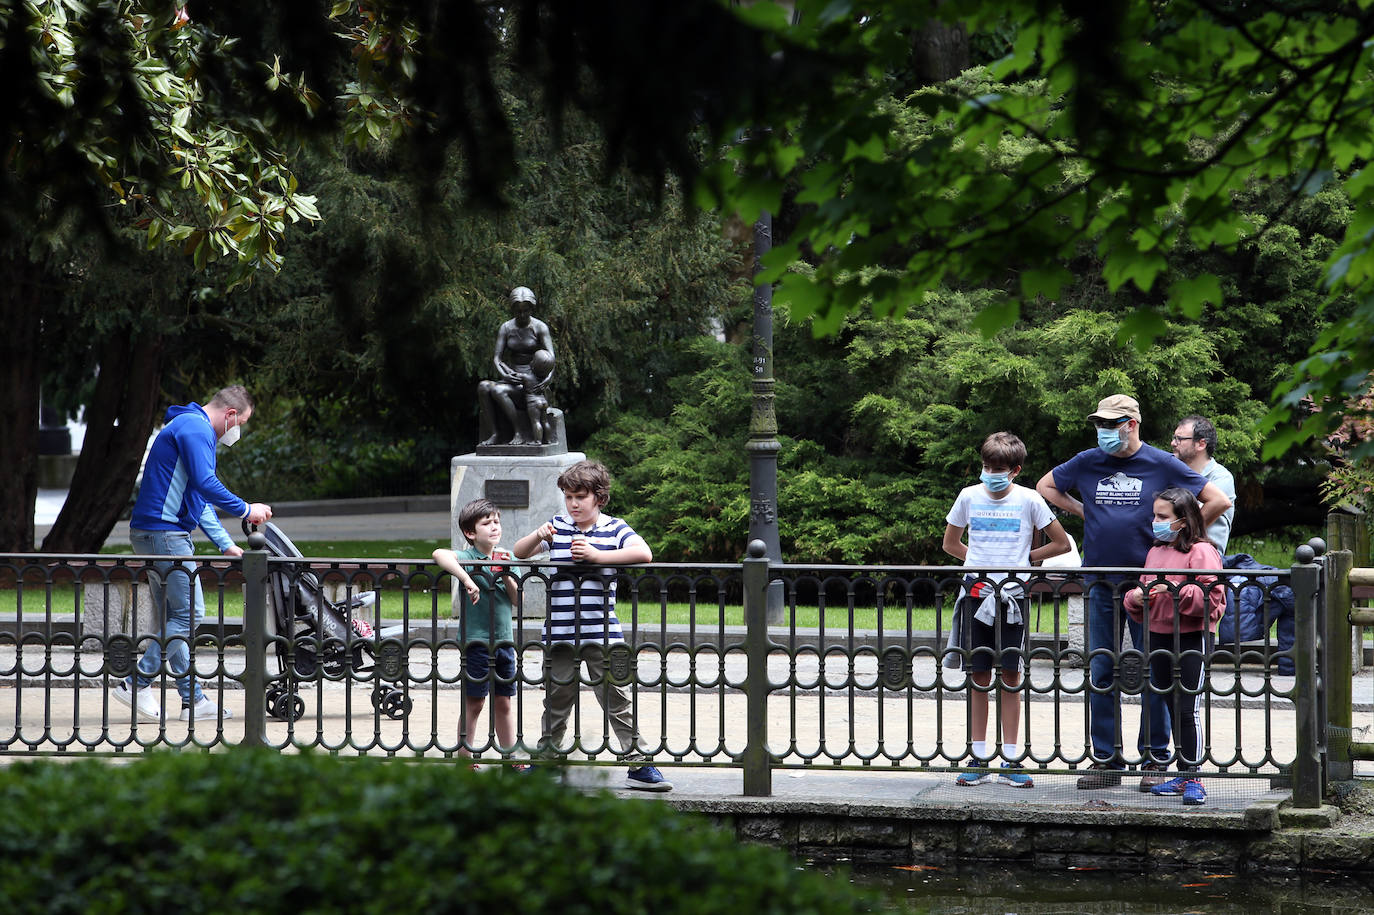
{"x":997,"y":317}
{"x":1045,"y":281}
{"x":1189,"y":295}
{"x":1140,"y":328}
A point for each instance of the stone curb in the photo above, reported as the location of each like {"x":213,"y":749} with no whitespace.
{"x":1308,"y":818}
{"x":1042,"y":814}
{"x":382,"y":505}
{"x":1245,"y":842}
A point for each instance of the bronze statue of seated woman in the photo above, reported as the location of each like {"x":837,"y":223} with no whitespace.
{"x":514,"y":405}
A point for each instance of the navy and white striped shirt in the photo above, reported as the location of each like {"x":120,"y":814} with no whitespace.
{"x":582,"y":604}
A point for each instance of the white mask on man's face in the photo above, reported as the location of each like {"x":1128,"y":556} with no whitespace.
{"x":231,"y":433}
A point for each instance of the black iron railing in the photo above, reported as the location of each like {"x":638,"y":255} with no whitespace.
{"x":369,"y":657}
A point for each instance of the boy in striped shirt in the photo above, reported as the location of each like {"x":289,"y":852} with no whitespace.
{"x":582,"y":620}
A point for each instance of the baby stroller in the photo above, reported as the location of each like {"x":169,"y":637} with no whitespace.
{"x":322,"y":634}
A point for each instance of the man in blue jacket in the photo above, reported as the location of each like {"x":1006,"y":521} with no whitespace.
{"x":180,"y":491}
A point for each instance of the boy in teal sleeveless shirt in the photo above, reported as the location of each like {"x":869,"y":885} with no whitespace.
{"x":485,"y":629}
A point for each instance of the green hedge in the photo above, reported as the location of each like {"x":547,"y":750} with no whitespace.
{"x":258,"y":832}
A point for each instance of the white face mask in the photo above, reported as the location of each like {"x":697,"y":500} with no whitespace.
{"x":231,"y":434}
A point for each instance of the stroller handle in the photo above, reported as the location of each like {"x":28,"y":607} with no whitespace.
{"x":257,"y":540}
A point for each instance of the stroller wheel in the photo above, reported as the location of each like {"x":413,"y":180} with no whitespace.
{"x":394,"y":704}
{"x":273,"y":698}
{"x":287,"y":707}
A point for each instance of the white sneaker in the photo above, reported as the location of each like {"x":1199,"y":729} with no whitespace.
{"x":205,"y":708}
{"x":147,"y":704}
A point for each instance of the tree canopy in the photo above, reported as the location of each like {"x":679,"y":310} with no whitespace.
{"x":1109,"y":142}
{"x":119,"y":121}
{"x":1125,"y":129}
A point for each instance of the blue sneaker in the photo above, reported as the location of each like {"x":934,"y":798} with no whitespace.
{"x":1193,"y":793}
{"x":976,"y":777}
{"x":647,"y":778}
{"x":1172,"y":788}
{"x":1011,"y":775}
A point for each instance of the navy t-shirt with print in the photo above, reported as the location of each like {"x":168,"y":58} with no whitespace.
{"x":1118,"y":496}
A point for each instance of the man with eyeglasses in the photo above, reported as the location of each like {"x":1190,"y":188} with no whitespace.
{"x":1117,"y":482}
{"x":1195,"y":443}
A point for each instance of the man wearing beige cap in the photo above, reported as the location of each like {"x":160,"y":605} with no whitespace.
{"x":1116,"y":483}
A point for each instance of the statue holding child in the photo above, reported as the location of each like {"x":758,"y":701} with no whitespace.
{"x":514,"y":405}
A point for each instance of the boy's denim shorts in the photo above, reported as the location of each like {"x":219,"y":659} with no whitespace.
{"x":475,"y":681}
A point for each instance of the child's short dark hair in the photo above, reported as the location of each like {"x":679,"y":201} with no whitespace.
{"x":587,"y":476}
{"x":473,"y":512}
{"x":1003,"y":449}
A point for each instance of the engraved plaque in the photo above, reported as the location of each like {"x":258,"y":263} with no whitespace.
{"x":894,"y":668}
{"x":618,"y":670}
{"x":1132,"y":672}
{"x":119,"y":656}
{"x":508,"y":493}
{"x":390,"y":659}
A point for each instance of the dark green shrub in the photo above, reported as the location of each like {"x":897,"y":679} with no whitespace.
{"x":295,"y":452}
{"x":258,"y":832}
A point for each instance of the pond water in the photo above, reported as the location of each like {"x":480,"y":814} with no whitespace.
{"x":995,"y":889}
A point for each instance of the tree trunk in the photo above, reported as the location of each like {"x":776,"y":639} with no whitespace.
{"x":119,"y":417}
{"x":939,"y":51}
{"x":21,"y":371}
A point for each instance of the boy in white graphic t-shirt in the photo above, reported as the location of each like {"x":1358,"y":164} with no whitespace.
{"x":990,"y":620}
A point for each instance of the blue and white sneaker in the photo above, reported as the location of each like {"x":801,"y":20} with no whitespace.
{"x":647,"y":778}
{"x":1011,"y":775}
{"x":1172,"y":788}
{"x":1193,"y":793}
{"x":976,"y":777}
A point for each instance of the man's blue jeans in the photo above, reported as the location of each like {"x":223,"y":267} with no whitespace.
{"x":1105,"y":619}
{"x":178,"y":597}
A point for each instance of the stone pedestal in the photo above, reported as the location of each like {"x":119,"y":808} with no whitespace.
{"x":1077,"y":642}
{"x":525,"y":488}
{"x":1078,"y":628}
{"x":55,"y":471}
{"x":117,"y":608}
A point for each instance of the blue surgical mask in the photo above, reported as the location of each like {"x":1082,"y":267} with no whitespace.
{"x":1163,"y":531}
{"x":1109,"y":440}
{"x":995,"y":482}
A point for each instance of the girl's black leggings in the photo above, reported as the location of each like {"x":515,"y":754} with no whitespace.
{"x":1181,"y":687}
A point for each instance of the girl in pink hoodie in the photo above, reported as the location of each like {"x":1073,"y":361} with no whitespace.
{"x":1183,"y":612}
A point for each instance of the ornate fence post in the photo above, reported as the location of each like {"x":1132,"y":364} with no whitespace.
{"x":1307,"y":775}
{"x":758,"y":774}
{"x":1348,"y":529}
{"x":1338,"y":670}
{"x":255,"y":642}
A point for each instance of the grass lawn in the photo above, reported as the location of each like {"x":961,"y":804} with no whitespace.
{"x":328,"y":549}
{"x":1273,"y":548}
